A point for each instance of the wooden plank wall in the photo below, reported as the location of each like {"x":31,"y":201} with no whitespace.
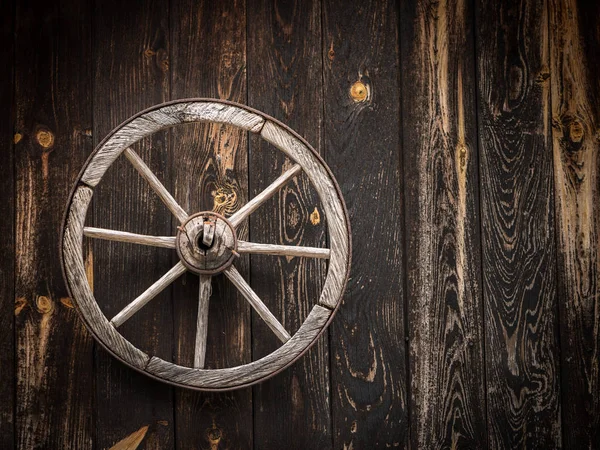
{"x":517,"y":215}
{"x":124,"y":201}
{"x":441,"y":188}
{"x":464,"y":135}
{"x":285,"y":78}
{"x":53,"y":351}
{"x":7,"y":229}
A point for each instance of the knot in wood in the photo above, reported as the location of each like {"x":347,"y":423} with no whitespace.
{"x":45,"y":138}
{"x":359,"y":92}
{"x":44,"y":304}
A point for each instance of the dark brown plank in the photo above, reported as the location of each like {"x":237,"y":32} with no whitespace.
{"x":518,"y":247}
{"x":291,"y":410}
{"x":574,"y":65}
{"x":131,"y":46}
{"x":443,"y":232}
{"x":210,"y":173}
{"x":7,"y":229}
{"x":54,"y":378}
{"x":362,"y":147}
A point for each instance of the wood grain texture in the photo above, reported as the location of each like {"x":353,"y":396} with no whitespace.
{"x":131,"y":51}
{"x":149,"y":122}
{"x":8,"y":306}
{"x":233,"y":377}
{"x":54,"y":367}
{"x":202,"y":320}
{"x":441,"y":190}
{"x":283,"y":250}
{"x":285,"y":80}
{"x":142,"y":300}
{"x":332,"y":203}
{"x":156,"y":184}
{"x":261,"y":309}
{"x":79,"y":286}
{"x":208,"y":59}
{"x":574,"y":48}
{"x":362,"y":147}
{"x":518,"y":245}
{"x":133,"y":238}
{"x":239,"y":216}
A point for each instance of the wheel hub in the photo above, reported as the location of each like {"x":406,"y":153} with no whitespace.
{"x":206,"y":243}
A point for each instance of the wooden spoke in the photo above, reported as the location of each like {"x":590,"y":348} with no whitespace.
{"x":283,"y":250}
{"x":156,"y":185}
{"x":148,"y":294}
{"x":262,"y":310}
{"x":202,"y":322}
{"x":253,"y":204}
{"x":124,"y":236}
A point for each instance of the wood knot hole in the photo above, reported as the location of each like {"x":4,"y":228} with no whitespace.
{"x":20,"y":303}
{"x":45,"y":138}
{"x":44,"y":304}
{"x":543,"y":76}
{"x":315,"y":217}
{"x":214,"y":435}
{"x":359,"y":92}
{"x":576,"y":131}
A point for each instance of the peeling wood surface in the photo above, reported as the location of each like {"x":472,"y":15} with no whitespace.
{"x":575,"y":115}
{"x":464,"y":135}
{"x":517,"y":214}
{"x":442,"y":231}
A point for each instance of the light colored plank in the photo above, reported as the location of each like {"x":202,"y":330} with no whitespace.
{"x":237,"y":218}
{"x":165,"y":116}
{"x":575,"y":132}
{"x":80,"y":289}
{"x":202,"y":322}
{"x":262,"y":310}
{"x":164,"y":281}
{"x":156,"y":185}
{"x":124,"y":236}
{"x":235,"y":377}
{"x":322,"y":181}
{"x":282,"y":250}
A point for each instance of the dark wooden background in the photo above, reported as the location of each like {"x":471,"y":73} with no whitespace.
{"x":465,"y":136}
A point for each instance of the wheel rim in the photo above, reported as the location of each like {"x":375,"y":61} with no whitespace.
{"x":196,"y":234}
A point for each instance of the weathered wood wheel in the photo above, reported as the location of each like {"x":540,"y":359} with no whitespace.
{"x":207,"y":245}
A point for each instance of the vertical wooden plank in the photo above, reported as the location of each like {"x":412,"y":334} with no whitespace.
{"x":285,"y":80}
{"x":210,"y":168}
{"x":362,"y":147}
{"x":574,"y":49}
{"x":53,"y":117}
{"x":443,"y":230}
{"x":518,"y":247}
{"x":7,"y":229}
{"x":131,"y":47}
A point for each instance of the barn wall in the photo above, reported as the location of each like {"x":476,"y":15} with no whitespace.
{"x":464,"y":135}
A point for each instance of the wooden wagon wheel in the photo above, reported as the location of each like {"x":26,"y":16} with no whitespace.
{"x":206,"y":244}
